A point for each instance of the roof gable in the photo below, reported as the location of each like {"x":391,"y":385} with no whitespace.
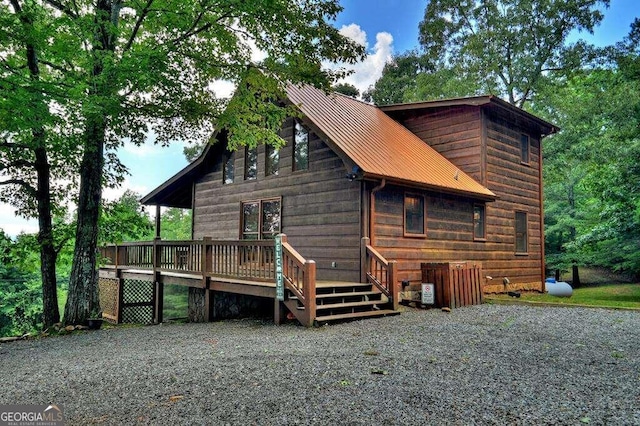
{"x":380,"y":146}
{"x":359,"y":133}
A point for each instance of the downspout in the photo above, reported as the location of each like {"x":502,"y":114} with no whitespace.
{"x":372,"y":211}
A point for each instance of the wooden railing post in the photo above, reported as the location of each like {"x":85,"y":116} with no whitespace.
{"x":310,"y":291}
{"x":364,"y":259}
{"x":159,"y":289}
{"x":393,"y":283}
{"x":121,"y":256}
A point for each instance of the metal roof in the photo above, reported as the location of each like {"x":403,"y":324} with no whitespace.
{"x":543,"y":126}
{"x":380,"y":146}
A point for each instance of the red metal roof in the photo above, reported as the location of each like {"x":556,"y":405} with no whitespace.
{"x":379,"y":145}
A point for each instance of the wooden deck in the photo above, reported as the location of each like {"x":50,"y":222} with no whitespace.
{"x":249,"y":268}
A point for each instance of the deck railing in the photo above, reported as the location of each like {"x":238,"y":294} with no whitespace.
{"x":299,"y":277}
{"x":380,"y":272}
{"x":251,"y":260}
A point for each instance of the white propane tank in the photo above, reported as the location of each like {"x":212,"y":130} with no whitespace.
{"x":558,"y":288}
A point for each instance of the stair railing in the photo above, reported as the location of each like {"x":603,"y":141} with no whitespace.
{"x":299,"y":276}
{"x":380,"y":272}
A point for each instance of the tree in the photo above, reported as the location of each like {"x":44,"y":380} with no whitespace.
{"x":347,"y":89}
{"x":31,"y":133}
{"x":123,"y":68}
{"x":507,"y":46}
{"x":124,"y":220}
{"x":176,"y":224}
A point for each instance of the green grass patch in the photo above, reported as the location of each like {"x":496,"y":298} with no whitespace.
{"x":176,"y":302}
{"x":610,"y":295}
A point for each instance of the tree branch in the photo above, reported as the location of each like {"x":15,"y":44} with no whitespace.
{"x":23,"y":183}
{"x":13,"y":145}
{"x":62,"y":8}
{"x":136,"y":27}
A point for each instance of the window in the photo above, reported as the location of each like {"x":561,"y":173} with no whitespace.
{"x":414,"y":217}
{"x":300,"y":148}
{"x":524,"y":148}
{"x":479,"y":222}
{"x":260,"y":219}
{"x":228,"y":169}
{"x":521,"y":233}
{"x":272,"y":160}
{"x":250,"y":163}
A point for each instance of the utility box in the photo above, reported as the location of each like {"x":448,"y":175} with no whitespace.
{"x":455,"y":284}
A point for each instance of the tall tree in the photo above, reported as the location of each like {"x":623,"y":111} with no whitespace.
{"x":128,"y":67}
{"x":31,"y":142}
{"x":507,"y":46}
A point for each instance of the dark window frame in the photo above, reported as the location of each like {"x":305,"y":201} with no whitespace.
{"x":247,"y":150}
{"x":521,"y":233}
{"x":294,"y":164}
{"x":229,"y":158}
{"x":271,"y":168}
{"x":259,"y":233}
{"x":483,"y":208}
{"x":525,"y":154}
{"x":408,"y":233}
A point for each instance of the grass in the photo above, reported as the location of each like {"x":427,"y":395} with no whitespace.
{"x":608,"y":295}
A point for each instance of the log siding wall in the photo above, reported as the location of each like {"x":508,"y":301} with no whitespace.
{"x":486,"y":145}
{"x":320,"y":208}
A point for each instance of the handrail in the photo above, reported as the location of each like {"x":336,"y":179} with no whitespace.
{"x":381,"y":272}
{"x":299,"y":277}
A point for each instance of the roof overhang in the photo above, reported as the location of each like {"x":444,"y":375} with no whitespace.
{"x":545,"y":127}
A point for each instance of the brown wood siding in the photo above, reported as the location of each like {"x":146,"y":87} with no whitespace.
{"x":459,"y":135}
{"x":320,"y":208}
{"x":518,"y":188}
{"x":455,"y":133}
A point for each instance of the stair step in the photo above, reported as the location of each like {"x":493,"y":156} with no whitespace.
{"x":348,"y":304}
{"x":348,"y":294}
{"x":367,"y":314}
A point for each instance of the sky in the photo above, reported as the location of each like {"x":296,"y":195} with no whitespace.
{"x":385,"y":27}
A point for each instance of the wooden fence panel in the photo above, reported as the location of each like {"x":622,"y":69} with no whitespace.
{"x":456,"y":284}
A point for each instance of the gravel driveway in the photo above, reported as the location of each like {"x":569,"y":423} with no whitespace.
{"x":486,"y":364}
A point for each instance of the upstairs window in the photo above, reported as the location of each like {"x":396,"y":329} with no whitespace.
{"x":250,"y":163}
{"x":414,"y":216}
{"x":228,"y":169}
{"x":521,"y":233}
{"x":300,"y":148}
{"x":272,"y":159}
{"x":479,"y":232}
{"x":524,"y":148}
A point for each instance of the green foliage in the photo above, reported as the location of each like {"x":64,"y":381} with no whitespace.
{"x":176,"y":224}
{"x":346,"y":89}
{"x":507,"y":46}
{"x":504,"y":47}
{"x":125,"y":220}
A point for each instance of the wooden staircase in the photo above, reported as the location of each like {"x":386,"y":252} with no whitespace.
{"x":344,"y":301}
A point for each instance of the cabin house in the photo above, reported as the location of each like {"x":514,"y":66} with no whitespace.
{"x":368,"y":192}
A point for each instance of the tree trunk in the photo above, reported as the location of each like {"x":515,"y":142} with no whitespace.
{"x":83,"y":300}
{"x":576,"y":276}
{"x":48,"y":254}
{"x":197,"y":305}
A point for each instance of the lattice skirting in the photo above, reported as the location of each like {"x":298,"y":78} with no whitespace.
{"x":137,"y":300}
{"x":138,"y":297}
{"x":108,"y":289}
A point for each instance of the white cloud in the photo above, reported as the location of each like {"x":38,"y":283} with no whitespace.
{"x":368,"y":71}
{"x":222,"y":88}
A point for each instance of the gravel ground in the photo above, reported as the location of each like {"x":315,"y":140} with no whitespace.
{"x":486,"y":364}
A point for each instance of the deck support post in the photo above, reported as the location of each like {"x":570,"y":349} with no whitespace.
{"x":278,"y":312}
{"x":158,"y":221}
{"x":310,"y":292}
{"x":364,"y":264}
{"x":393,"y":284}
{"x":158,"y":303}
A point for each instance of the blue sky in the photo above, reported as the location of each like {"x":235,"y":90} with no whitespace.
{"x":386,"y":27}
